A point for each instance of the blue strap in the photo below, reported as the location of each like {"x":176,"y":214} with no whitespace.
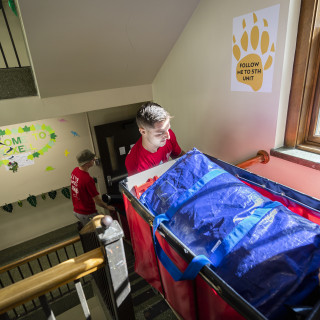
{"x":193,"y":190}
{"x":193,"y":268}
{"x":197,"y":262}
{"x":221,"y":249}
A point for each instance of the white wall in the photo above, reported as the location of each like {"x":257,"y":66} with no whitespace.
{"x":194,"y":85}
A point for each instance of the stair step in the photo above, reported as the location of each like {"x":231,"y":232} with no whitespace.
{"x":17,"y":83}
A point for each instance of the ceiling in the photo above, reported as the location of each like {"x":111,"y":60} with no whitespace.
{"x":88,"y":45}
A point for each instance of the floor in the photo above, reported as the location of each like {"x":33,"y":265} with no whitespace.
{"x":96,"y":312}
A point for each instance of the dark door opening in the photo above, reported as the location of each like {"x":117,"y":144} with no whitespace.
{"x":114,"y":142}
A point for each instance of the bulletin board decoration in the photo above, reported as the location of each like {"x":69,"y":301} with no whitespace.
{"x":17,"y":145}
{"x":13,"y":166}
{"x":52,"y":194}
{"x":45,"y":151}
{"x":66,"y":192}
{"x":7,"y":207}
{"x":33,"y":201}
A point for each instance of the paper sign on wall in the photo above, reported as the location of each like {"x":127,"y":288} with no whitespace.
{"x":253,"y":50}
{"x":23,"y":160}
{"x":24,"y":144}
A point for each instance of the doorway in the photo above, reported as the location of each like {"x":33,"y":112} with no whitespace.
{"x":114,"y":142}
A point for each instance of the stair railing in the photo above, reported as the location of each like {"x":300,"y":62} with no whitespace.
{"x":261,"y":157}
{"x":41,"y":283}
{"x":104,"y":259}
{"x":11,"y":38}
{"x":35,"y":263}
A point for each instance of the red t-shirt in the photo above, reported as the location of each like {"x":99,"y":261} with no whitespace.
{"x":83,"y":190}
{"x":140,"y":159}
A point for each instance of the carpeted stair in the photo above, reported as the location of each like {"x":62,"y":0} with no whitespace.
{"x":17,"y":83}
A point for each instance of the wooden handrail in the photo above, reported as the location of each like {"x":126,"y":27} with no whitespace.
{"x":50,"y":279}
{"x":261,"y":157}
{"x":38,"y":254}
{"x":94,"y":223}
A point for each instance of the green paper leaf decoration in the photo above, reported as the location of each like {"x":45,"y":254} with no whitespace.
{"x":7,"y":207}
{"x":43,"y":196}
{"x":53,"y":136}
{"x":66,"y":192}
{"x":32,"y":200}
{"x":13,"y":166}
{"x":20,"y":204}
{"x":13,"y":6}
{"x":26,"y":128}
{"x":52,"y":194}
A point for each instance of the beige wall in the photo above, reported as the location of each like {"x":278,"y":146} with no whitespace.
{"x":28,"y":222}
{"x":20,"y":110}
{"x":194,"y":85}
{"x":49,"y":215}
{"x":81,"y":46}
{"x":53,"y":165}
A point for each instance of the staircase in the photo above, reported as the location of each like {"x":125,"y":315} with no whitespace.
{"x":148,"y":303}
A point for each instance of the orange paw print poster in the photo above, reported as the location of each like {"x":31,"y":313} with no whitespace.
{"x":254,"y":49}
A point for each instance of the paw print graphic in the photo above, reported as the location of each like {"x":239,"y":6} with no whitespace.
{"x":254,"y":54}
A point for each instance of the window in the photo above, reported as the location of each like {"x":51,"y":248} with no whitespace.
{"x":303,"y":121}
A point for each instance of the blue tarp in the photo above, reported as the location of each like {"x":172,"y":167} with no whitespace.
{"x":267,"y":253}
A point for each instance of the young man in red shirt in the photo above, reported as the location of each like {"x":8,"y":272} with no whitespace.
{"x":85,"y":196}
{"x":157,"y":142}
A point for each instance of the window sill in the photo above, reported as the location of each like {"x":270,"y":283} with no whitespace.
{"x":301,"y":157}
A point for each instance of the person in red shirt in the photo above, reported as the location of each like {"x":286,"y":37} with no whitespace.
{"x":157,"y":143}
{"x":84,"y":193}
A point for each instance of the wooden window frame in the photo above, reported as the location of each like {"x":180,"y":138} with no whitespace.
{"x":304,"y":98}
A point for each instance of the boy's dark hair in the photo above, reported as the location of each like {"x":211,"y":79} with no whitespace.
{"x":150,"y":113}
